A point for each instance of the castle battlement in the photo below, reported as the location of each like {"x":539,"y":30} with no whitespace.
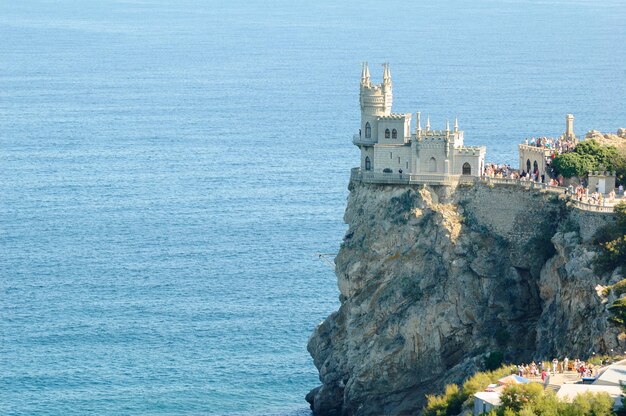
{"x":395,"y":116}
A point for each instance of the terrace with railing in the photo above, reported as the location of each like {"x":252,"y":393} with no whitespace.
{"x":357,"y":175}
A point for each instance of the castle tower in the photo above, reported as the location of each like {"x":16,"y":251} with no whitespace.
{"x":375,"y":99}
{"x":569,"y":127}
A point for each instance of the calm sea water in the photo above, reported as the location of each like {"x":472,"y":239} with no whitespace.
{"x":170,"y":168}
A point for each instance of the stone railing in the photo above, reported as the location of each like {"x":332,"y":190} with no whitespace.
{"x":358,"y":140}
{"x":453,"y":180}
{"x":590,"y":207}
{"x":435,"y":179}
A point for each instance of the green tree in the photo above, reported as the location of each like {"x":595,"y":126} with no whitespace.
{"x":573,"y":164}
{"x":604,"y":157}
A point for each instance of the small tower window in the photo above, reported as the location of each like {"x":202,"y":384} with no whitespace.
{"x":528,"y":166}
{"x":394,"y":134}
{"x":368,"y":130}
{"x":398,"y":160}
{"x":390,"y":155}
{"x":386,"y":133}
{"x":467,"y":169}
{"x":368,"y":163}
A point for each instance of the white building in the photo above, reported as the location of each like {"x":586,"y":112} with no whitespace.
{"x":387,"y":145}
{"x":485,"y":401}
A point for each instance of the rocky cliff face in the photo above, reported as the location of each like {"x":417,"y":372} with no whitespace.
{"x":434,"y":278}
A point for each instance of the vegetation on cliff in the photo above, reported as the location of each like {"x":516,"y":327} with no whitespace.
{"x":516,"y":400}
{"x":452,"y":401}
{"x":590,"y":155}
{"x":532,"y":399}
{"x":612,"y":243}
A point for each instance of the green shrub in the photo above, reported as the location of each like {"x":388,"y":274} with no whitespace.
{"x":619,"y":288}
{"x":494,"y":360}
{"x":618,"y":310}
{"x":532,"y":399}
{"x":516,"y":396}
{"x":449,"y":403}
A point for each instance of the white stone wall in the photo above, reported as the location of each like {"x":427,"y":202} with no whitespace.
{"x":532,"y":154}
{"x":391,"y":124}
{"x":475,"y":159}
{"x":394,"y":157}
{"x":429,"y":149}
{"x":367,"y":151}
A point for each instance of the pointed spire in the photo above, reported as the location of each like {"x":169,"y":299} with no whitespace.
{"x":367,"y":73}
{"x":428,"y":123}
{"x":418,"y":123}
{"x":363,"y":73}
{"x":447,"y":125}
{"x":456,"y":125}
{"x":386,"y":73}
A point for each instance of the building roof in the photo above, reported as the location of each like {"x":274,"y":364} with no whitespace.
{"x":490,"y":397}
{"x":568,"y":392}
{"x":513,"y":379}
{"x":613,"y":375}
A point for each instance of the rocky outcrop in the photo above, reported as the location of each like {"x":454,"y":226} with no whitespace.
{"x":434,"y":278}
{"x":609,"y":139}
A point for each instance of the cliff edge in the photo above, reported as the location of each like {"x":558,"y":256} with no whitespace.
{"x":432,"y":279}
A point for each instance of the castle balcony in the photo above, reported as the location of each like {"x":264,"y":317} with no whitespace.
{"x":362,"y":141}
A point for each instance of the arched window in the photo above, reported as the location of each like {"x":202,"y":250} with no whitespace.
{"x":394,"y":134}
{"x":535,"y":167}
{"x":368,"y":130}
{"x":386,"y":133}
{"x":432,"y":165}
{"x":368,"y":163}
{"x":467,"y":169}
{"x":528,"y":166}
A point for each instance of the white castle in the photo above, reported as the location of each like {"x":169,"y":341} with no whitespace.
{"x":387,"y":145}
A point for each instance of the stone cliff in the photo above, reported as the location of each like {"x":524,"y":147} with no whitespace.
{"x":434,"y":278}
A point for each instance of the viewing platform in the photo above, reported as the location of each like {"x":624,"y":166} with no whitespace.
{"x":454,"y":180}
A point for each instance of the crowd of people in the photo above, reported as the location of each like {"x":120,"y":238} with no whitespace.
{"x":494,"y":170}
{"x":582,"y":194}
{"x":577,"y":192}
{"x":544,"y":369}
{"x":558,"y":145}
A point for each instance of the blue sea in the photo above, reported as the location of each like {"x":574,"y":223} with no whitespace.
{"x":170,"y":168}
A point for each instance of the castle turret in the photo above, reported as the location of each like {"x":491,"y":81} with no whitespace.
{"x":418,"y":125}
{"x":375,"y":99}
{"x":365,"y":75}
